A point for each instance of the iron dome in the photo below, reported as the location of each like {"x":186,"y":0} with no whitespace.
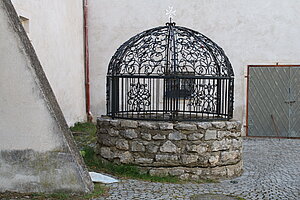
{"x":170,"y":73}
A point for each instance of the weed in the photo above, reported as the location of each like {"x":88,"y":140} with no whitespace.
{"x":86,"y":127}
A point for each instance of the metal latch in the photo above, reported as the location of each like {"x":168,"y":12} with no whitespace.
{"x":289,"y":102}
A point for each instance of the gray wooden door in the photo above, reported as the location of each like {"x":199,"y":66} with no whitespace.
{"x":274,"y":101}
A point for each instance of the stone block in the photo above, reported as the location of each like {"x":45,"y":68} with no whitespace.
{"x":158,"y":172}
{"x":122,"y":144}
{"x":166,"y":158}
{"x":146,"y":136}
{"x":102,"y":131}
{"x":230,"y":156}
{"x":168,"y":147}
{"x":214,"y":159}
{"x":198,"y":171}
{"x":148,"y":125}
{"x":106,"y":140}
{"x":219,"y":171}
{"x":233,"y":125}
{"x":203,"y":160}
{"x":176,"y":172}
{"x":112,"y":132}
{"x":197,"y":148}
{"x":210,"y":135}
{"x":151,"y":148}
{"x":194,"y":177}
{"x":166,"y":126}
{"x":237,"y":143}
{"x":137,"y":146}
{"x":188,"y":159}
{"x":222,"y":134}
{"x":105,"y":152}
{"x":114,"y":122}
{"x":195,"y":136}
{"x":185,"y":176}
{"x":129,"y":124}
{"x":129,"y":133}
{"x":219,"y":125}
{"x":185,"y":126}
{"x":204,"y":125}
{"x":221,"y":145}
{"x":159,"y":137}
{"x":103,"y":122}
{"x":230,"y":170}
{"x":143,"y":160}
{"x":176,"y":136}
{"x":125,"y":157}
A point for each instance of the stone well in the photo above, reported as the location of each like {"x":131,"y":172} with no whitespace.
{"x":189,"y":150}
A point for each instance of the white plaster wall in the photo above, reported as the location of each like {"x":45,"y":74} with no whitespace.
{"x":25,"y":120}
{"x":56,"y":32}
{"x":250,"y":32}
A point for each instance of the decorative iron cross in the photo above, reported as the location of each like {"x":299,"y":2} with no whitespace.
{"x":170,"y":13}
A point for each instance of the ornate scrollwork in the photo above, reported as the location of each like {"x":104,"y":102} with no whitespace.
{"x":170,"y":49}
{"x":138,"y":96}
{"x":204,"y":97}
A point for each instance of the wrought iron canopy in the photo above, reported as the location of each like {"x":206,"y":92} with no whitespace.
{"x":170,"y":73}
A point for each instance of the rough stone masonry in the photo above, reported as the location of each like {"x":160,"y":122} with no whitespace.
{"x":189,"y":150}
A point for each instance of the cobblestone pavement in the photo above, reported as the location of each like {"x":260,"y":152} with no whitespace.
{"x":271,"y":171}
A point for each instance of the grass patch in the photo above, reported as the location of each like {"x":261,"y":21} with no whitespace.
{"x":86,"y":127}
{"x":85,"y":134}
{"x":100,"y":190}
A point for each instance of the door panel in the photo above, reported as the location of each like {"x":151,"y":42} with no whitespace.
{"x":294,"y":105}
{"x":268,"y":112}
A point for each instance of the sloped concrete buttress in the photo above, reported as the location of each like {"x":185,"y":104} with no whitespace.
{"x":37,"y":151}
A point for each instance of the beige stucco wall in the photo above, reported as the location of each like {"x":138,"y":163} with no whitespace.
{"x":56,"y":32}
{"x":25,"y":121}
{"x":250,"y":32}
